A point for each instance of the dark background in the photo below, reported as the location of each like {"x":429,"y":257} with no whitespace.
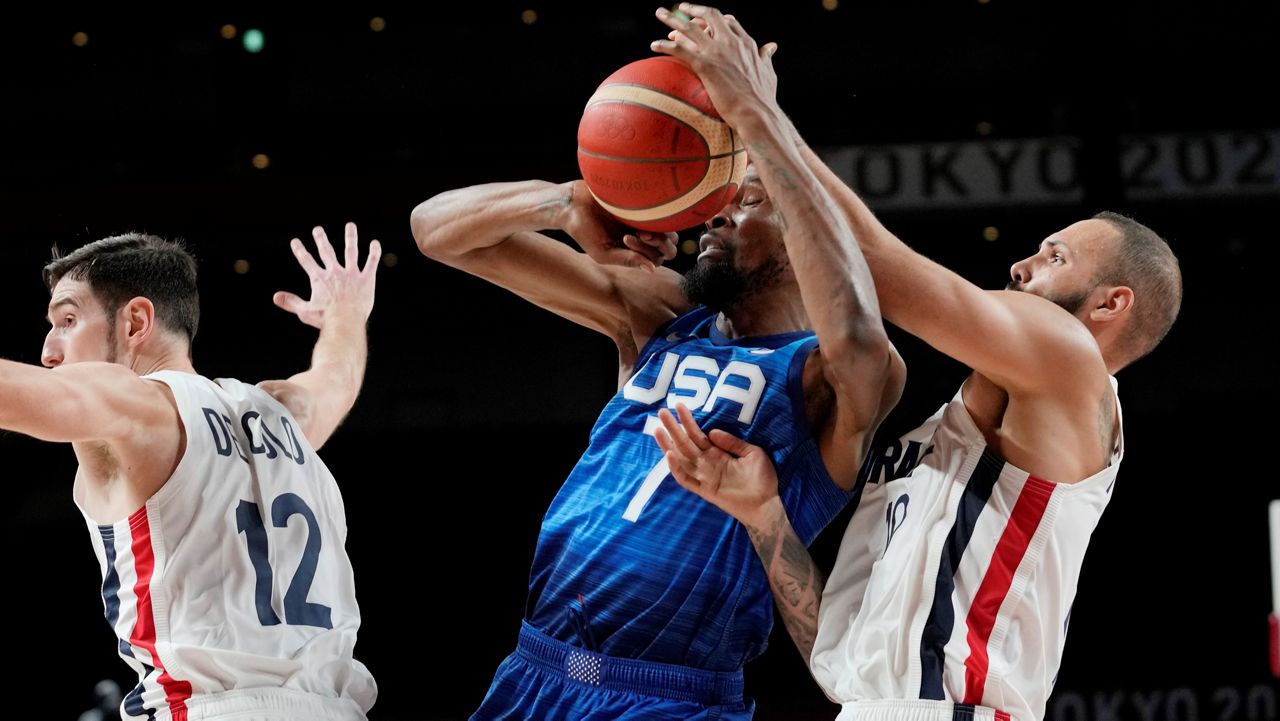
{"x":476,"y":404}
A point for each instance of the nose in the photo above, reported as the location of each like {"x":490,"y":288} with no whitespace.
{"x":51,"y":354}
{"x":1020,"y":272}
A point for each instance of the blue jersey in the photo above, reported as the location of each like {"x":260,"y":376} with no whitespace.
{"x":629,"y":564}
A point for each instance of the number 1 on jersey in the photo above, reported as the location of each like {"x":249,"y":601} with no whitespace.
{"x":651,"y":481}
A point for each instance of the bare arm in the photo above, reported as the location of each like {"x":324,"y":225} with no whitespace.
{"x":739,"y":479}
{"x":796,"y":581}
{"x":836,"y":287}
{"x":86,"y":401}
{"x":1017,"y":340}
{"x":491,"y":231}
{"x":340,"y":304}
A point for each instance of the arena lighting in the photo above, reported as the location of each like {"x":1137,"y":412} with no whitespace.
{"x":253,"y":40}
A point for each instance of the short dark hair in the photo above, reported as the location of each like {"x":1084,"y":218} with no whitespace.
{"x":1144,"y":262}
{"x":123,"y":267}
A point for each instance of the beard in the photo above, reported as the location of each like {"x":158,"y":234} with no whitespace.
{"x":1070,"y":302}
{"x":717,"y":285}
{"x":720,"y":285}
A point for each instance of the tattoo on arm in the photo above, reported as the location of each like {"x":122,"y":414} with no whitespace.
{"x":796,"y":581}
{"x":557,"y":204}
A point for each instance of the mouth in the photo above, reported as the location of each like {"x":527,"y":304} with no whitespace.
{"x":712,"y":248}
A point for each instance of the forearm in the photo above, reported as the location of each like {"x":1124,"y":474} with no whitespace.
{"x":458,"y":221}
{"x":337,"y":369}
{"x":835,"y":283}
{"x":795,"y":579}
{"x":897,"y":268}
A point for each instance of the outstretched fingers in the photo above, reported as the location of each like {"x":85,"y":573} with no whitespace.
{"x":327,"y":257}
{"x":305,"y":259}
{"x":351,"y":251}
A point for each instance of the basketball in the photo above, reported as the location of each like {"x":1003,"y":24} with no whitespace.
{"x":654,"y":152}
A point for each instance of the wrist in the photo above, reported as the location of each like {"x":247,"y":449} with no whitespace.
{"x":768,"y":514}
{"x":756,"y":121}
{"x":558,"y":205}
{"x":346,"y":315}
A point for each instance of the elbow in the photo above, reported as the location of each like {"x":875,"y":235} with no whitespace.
{"x":426,"y":222}
{"x":862,"y":354}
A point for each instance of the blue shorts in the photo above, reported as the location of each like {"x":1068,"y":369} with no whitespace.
{"x":549,"y":679}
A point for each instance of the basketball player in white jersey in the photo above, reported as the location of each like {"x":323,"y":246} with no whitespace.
{"x":952,"y":591}
{"x":219,"y":532}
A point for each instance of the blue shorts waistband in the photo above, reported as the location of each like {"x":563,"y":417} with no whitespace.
{"x":678,"y":683}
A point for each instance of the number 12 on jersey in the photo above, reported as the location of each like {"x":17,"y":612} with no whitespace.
{"x":297,"y":610}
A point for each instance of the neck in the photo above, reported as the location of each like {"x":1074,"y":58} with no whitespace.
{"x":1109,"y":343}
{"x":170,"y":359}
{"x":1114,"y":363}
{"x":767,"y":313}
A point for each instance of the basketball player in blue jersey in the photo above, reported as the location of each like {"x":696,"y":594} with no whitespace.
{"x":951,"y":595}
{"x":644,"y":601}
{"x":200,"y":494}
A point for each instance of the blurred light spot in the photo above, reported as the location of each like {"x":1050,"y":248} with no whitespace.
{"x":228,"y":31}
{"x":241,"y":266}
{"x":689,"y":247}
{"x":80,"y":39}
{"x":261,"y":161}
{"x":984,"y":128}
{"x":377,"y":25}
{"x":830,"y":4}
{"x":254,"y":40}
{"x":391,"y":260}
{"x":529,"y":17}
{"x":991,"y":232}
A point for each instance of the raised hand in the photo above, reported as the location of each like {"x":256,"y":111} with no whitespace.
{"x":737,"y":73}
{"x":736,"y":476}
{"x":336,"y":286}
{"x":607,"y":240}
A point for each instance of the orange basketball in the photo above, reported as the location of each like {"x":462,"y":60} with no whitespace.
{"x":653,"y":150}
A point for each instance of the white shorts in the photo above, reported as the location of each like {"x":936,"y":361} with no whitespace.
{"x":917,"y":710}
{"x":275,"y":704}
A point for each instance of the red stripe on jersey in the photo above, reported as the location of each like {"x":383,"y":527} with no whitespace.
{"x":1002,"y":715}
{"x":144,"y":629}
{"x":1022,"y":525}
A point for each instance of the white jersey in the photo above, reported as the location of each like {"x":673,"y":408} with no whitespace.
{"x":230,"y":590}
{"x":953,"y":586}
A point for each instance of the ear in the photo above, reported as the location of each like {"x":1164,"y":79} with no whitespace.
{"x":1115,"y":303}
{"x":137,"y":321}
